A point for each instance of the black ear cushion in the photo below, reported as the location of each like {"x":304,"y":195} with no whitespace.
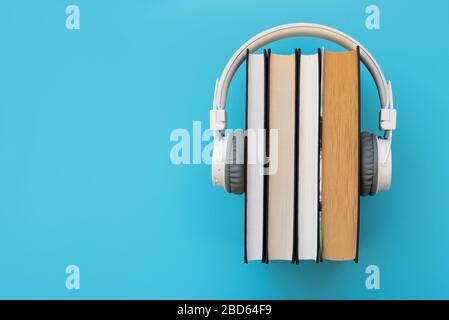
{"x":235,"y":167}
{"x":368,"y":164}
{"x":236,"y":178}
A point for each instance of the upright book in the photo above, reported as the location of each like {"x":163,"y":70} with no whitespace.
{"x":307,"y":155}
{"x":281,"y":113}
{"x":255,"y":157}
{"x":340,"y":155}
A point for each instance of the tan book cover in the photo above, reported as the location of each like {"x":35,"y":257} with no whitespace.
{"x":281,"y":184}
{"x":340,"y":155}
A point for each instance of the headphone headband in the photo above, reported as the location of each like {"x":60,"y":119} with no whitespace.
{"x":300,"y":30}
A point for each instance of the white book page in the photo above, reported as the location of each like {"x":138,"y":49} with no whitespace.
{"x":308,"y":157}
{"x":255,"y":153}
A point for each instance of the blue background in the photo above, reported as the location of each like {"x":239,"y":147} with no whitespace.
{"x":85,"y":171}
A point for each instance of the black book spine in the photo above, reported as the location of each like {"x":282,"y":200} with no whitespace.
{"x":295,"y":256}
{"x":320,"y":67}
{"x":266,"y":179}
{"x":356,"y":259}
{"x":246,"y":161}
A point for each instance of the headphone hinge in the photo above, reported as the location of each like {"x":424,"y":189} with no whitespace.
{"x":217,"y":118}
{"x":387,"y":119}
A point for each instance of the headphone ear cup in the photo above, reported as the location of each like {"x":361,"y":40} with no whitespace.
{"x":368,"y":164}
{"x":235,"y":163}
{"x":385,"y":164}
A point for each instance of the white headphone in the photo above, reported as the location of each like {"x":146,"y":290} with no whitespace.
{"x":228,"y":168}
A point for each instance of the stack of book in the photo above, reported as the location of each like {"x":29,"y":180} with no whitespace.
{"x":302,"y":155}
